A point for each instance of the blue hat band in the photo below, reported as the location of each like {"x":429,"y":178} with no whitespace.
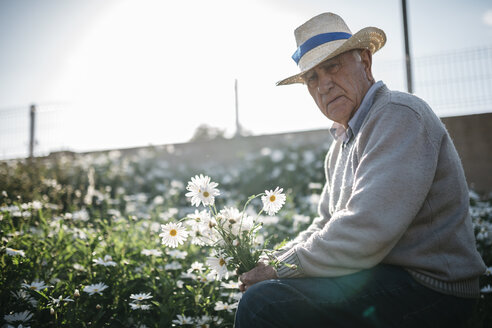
{"x":318,"y":40}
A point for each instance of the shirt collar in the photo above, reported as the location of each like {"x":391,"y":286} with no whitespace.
{"x":339,"y":132}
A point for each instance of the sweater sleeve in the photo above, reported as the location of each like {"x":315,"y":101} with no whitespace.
{"x":396,"y":166}
{"x":318,"y":222}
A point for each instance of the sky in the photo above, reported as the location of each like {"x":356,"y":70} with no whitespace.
{"x":127,"y":73}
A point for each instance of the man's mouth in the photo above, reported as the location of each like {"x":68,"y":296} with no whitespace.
{"x":334,"y":101}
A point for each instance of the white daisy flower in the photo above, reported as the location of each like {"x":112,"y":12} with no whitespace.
{"x":202,"y":190}
{"x":236,"y":296}
{"x":139,"y":306}
{"x":78,"y":267}
{"x":218,"y":321}
{"x":186,"y":275}
{"x":221,"y":306}
{"x":183,"y":320}
{"x":15,"y":252}
{"x":196,"y":266}
{"x":18,"y":317}
{"x":177,"y":254}
{"x":168,"y":214}
{"x":230,"y":219}
{"x":487,"y":289}
{"x":36,"y":205}
{"x":95,"y":288}
{"x":58,"y":300}
{"x":23,"y":295}
{"x":107,"y":261}
{"x":173,"y":234}
{"x":158,"y":200}
{"x":81,"y":215}
{"x":174,"y":265}
{"x":198,"y":219}
{"x":35,"y":285}
{"x":230,"y":285}
{"x":273,"y":200}
{"x":204,"y":321}
{"x":212,"y":276}
{"x":247,"y":223}
{"x":218,"y":264}
{"x":141,"y":296}
{"x":150,"y":252}
{"x":200,"y":239}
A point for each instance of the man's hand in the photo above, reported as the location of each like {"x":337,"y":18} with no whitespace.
{"x":261,"y":272}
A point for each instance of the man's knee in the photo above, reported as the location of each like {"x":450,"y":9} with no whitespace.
{"x":258,"y":296}
{"x":256,"y":299}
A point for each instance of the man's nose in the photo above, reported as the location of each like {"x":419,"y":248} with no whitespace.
{"x":325,"y":82}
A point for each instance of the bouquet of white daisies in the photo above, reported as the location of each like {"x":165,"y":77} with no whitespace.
{"x":232,"y":233}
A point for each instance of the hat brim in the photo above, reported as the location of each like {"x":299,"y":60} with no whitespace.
{"x":371,"y":38}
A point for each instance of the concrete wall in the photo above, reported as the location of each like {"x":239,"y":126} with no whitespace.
{"x":472,"y":136}
{"x":225,"y":150}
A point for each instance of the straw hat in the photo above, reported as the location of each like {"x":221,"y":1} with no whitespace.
{"x":326,"y":36}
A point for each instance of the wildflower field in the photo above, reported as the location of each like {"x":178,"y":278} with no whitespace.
{"x":88,"y":240}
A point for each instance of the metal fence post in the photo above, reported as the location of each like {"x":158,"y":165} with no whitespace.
{"x":31,"y":132}
{"x":238,"y":126}
{"x":407,"y":47}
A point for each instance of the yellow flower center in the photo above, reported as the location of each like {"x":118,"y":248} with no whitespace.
{"x":33,"y":287}
{"x":206,"y":194}
{"x":222,"y":262}
{"x":173,"y":232}
{"x":272,"y":198}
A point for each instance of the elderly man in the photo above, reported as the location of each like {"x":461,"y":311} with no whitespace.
{"x":394,"y":243}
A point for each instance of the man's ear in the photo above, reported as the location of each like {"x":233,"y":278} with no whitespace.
{"x":366,"y":57}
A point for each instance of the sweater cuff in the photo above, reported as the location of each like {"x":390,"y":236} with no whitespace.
{"x":289,"y":265}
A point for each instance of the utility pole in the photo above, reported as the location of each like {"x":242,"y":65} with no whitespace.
{"x":32,"y":116}
{"x":407,"y":47}
{"x":238,"y":126}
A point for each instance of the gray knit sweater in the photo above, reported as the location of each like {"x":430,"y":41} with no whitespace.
{"x":395,"y":194}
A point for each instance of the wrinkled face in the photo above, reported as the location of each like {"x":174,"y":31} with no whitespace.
{"x":339,"y":84}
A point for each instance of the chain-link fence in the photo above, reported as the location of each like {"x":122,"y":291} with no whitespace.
{"x":36,"y":129}
{"x":456,"y":83}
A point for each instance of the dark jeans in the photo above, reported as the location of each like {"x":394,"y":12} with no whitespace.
{"x":385,"y":296}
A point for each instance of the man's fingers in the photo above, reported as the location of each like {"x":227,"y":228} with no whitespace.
{"x":244,"y":278}
{"x":243,"y":282}
{"x":243,"y":287}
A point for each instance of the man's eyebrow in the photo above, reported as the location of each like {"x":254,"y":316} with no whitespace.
{"x":308,"y":74}
{"x":330,"y":61}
